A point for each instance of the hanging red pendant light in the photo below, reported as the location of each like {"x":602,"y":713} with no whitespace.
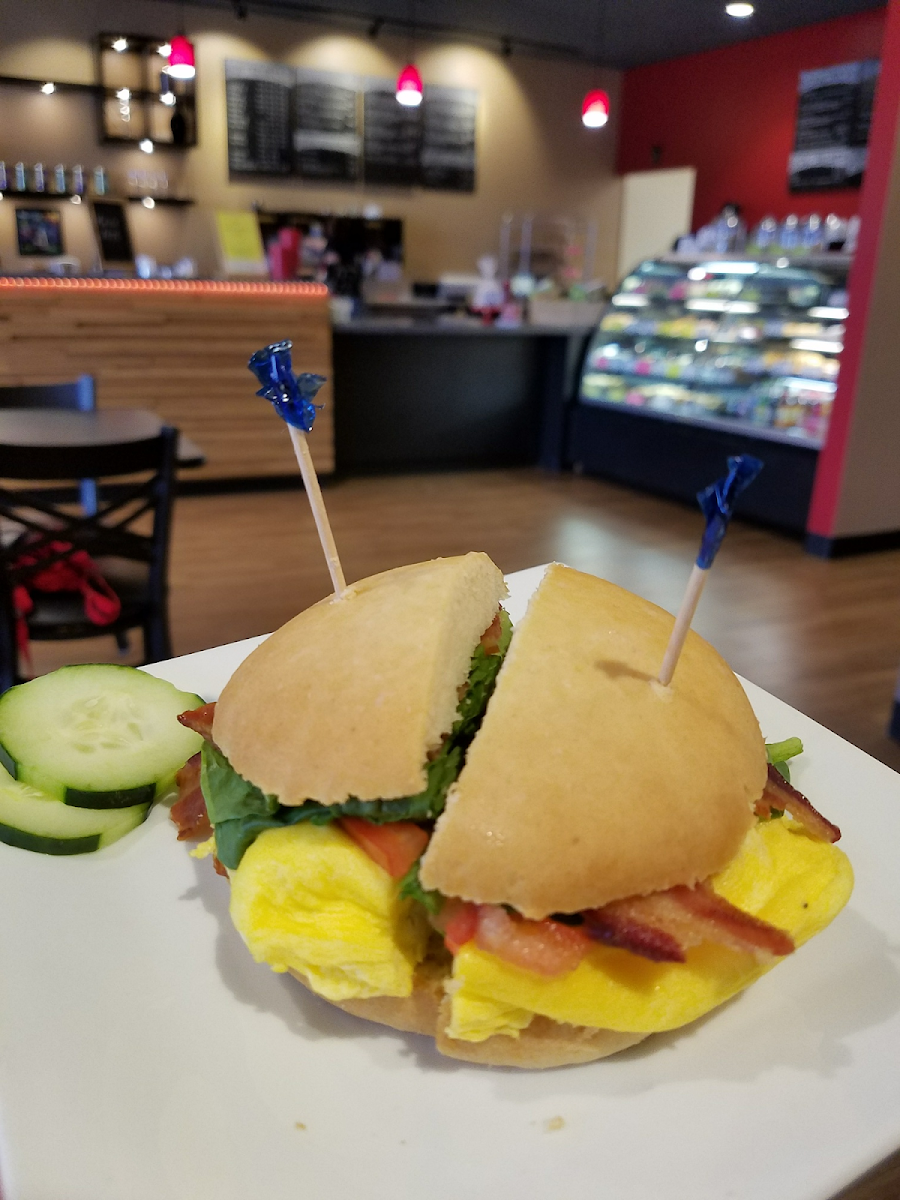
{"x":409,"y":87}
{"x":181,"y":59}
{"x":595,"y":109}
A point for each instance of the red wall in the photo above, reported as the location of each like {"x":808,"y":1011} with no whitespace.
{"x":730,"y":113}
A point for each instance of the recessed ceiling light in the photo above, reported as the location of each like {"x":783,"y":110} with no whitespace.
{"x":148,"y":202}
{"x":168,"y":98}
{"x":146,"y":145}
{"x":48,"y":88}
{"x":739,"y":10}
{"x":123,"y":94}
{"x":120,"y":44}
{"x":165,"y":50}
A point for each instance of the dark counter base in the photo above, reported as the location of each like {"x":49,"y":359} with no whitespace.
{"x":843,"y":547}
{"x":675,"y":459}
{"x":432,"y":401}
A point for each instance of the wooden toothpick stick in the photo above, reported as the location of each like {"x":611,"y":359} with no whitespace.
{"x":317,"y":504}
{"x":682,"y":624}
{"x":717,"y":502}
{"x":293,"y":397}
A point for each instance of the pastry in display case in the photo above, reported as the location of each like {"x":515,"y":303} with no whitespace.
{"x":742,"y":345}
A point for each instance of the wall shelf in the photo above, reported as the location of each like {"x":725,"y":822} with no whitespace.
{"x":173,"y":201}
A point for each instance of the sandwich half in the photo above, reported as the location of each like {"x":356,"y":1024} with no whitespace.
{"x":607,"y":858}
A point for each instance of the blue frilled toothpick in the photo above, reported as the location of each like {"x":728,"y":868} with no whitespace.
{"x":292,"y":396}
{"x":717,"y":502}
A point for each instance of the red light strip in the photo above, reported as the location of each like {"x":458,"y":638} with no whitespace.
{"x":212,"y":287}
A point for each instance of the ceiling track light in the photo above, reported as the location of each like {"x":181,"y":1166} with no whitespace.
{"x":741,"y":11}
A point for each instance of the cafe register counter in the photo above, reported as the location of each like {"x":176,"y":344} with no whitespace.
{"x":179,"y":348}
{"x":400,"y":394}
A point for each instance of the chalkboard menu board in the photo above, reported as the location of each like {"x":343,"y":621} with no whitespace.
{"x":113,"y":236}
{"x":327,"y":143}
{"x":327,"y":127}
{"x":258,"y":98}
{"x":447,"y":156}
{"x":833,"y":118}
{"x":392,"y":135}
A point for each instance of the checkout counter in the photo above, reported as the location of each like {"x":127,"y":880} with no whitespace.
{"x":179,"y":348}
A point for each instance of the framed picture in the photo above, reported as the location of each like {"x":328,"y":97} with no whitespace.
{"x":113,"y":236}
{"x":39,"y":232}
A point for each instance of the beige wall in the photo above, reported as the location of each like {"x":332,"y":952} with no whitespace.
{"x":533,"y":152}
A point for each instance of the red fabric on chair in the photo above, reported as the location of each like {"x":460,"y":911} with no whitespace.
{"x":59,"y":567}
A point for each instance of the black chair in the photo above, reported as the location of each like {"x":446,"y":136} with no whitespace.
{"x":79,"y":395}
{"x":134,"y":561}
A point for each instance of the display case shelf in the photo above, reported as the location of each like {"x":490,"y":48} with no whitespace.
{"x":715,"y":357}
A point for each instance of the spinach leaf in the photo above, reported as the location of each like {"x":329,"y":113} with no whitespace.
{"x":228,"y":795}
{"x":411,"y":889}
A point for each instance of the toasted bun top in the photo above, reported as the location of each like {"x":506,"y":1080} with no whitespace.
{"x":348,"y":698}
{"x":588,"y":781}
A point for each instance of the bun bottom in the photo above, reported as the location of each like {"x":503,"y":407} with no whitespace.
{"x":544,"y":1043}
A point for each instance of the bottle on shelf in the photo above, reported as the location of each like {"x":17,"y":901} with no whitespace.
{"x":789,"y":232}
{"x":101,"y":181}
{"x":59,"y":179}
{"x":4,"y":182}
{"x":19,"y":177}
{"x":812,"y":234}
{"x":38,"y":179}
{"x":765,"y":235}
{"x":77,"y":179}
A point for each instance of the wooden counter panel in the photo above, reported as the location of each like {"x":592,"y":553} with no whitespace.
{"x":182,"y":356}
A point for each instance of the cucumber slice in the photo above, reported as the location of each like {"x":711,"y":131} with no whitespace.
{"x":32,"y":820}
{"x":99,"y":736}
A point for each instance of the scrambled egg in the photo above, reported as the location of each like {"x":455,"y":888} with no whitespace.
{"x":307,"y":899}
{"x":780,"y":874}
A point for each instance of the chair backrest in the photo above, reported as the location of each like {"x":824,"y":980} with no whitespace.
{"x":40,"y":517}
{"x":80,"y":395}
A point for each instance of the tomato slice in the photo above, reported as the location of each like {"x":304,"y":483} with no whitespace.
{"x":394,"y":846}
{"x":545,"y":947}
{"x":457,"y":921}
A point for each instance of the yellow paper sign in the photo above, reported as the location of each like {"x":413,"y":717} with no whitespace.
{"x":240,"y":243}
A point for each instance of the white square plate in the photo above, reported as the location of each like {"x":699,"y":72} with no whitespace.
{"x":143,"y":1055}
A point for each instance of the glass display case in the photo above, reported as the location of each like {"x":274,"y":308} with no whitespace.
{"x":739,"y":345}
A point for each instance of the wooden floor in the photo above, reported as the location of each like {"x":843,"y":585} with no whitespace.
{"x":824,"y":636}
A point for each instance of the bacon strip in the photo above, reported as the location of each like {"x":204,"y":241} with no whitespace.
{"x":781,"y":797}
{"x":200,"y":720}
{"x":490,"y":639}
{"x":188,"y":813}
{"x":664,"y":925}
